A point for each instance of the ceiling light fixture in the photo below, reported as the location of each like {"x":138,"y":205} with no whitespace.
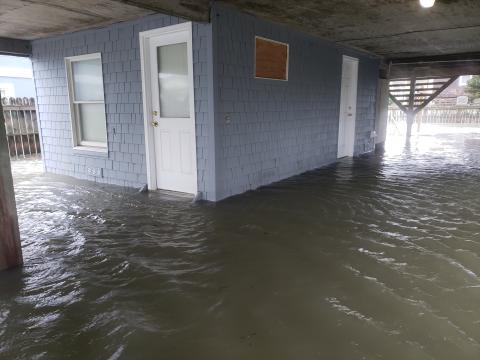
{"x":427,"y":3}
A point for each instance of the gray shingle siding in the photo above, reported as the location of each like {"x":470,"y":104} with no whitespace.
{"x":366,"y":105}
{"x":267,"y":130}
{"x":250,"y":132}
{"x":119,"y":46}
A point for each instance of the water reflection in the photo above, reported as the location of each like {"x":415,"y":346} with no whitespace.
{"x":376,"y":257}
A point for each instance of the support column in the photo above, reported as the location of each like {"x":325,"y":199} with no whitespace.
{"x":382,"y":113}
{"x":10,"y":248}
{"x":410,"y":122}
{"x":411,"y":107}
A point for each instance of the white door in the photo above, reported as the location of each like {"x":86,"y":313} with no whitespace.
{"x":348,"y":107}
{"x":169,"y":108}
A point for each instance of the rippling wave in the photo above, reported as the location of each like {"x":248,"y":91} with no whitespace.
{"x":376,"y":257}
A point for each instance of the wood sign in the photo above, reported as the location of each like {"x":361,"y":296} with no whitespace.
{"x":271,"y":59}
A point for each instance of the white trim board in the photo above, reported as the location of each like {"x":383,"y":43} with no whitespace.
{"x":348,"y":108}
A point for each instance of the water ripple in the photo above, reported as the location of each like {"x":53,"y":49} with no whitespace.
{"x":376,"y":257}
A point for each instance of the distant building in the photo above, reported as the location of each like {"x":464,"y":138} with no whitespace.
{"x":16,"y":77}
{"x":455,"y":93}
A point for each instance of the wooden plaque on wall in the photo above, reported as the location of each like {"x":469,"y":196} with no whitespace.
{"x":271,"y":59}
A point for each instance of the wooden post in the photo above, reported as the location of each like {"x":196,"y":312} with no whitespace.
{"x":411,"y":107}
{"x":10,"y":248}
{"x":410,"y":121}
{"x":419,"y":123}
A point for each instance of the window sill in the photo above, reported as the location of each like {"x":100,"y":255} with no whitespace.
{"x":90,"y":151}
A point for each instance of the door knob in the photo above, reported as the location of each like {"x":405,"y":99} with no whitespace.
{"x":155,"y":123}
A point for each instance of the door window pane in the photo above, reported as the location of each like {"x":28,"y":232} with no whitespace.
{"x":92,"y":122}
{"x":173,"y":80}
{"x":87,"y":80}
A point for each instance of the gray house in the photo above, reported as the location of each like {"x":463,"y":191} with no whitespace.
{"x":16,"y":78}
{"x":211,"y":109}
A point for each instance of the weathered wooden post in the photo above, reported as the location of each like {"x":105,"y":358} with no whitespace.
{"x":419,"y":117}
{"x":411,"y":107}
{"x":410,"y":122}
{"x":10,"y":248}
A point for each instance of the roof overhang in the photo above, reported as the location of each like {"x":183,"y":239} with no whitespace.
{"x":409,"y":38}
{"x":34,"y":19}
{"x":15,"y":47}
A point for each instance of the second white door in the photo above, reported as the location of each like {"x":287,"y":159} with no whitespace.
{"x":348,"y":107}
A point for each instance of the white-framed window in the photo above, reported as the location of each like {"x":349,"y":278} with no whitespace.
{"x":87,"y":102}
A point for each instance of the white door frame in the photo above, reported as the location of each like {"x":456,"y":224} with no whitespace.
{"x":350,"y":141}
{"x":147,"y":96}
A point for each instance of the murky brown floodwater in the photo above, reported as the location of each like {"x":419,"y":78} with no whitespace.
{"x":378,"y":258}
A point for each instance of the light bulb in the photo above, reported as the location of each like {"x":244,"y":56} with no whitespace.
{"x":427,"y":3}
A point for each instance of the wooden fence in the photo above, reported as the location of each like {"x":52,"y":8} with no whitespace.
{"x":451,"y":116}
{"x":21,"y":127}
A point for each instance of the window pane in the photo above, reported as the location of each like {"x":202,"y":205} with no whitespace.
{"x":173,"y":80}
{"x":92,"y":122}
{"x":87,"y":80}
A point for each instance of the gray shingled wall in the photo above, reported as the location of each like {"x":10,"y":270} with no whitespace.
{"x":255,"y":132}
{"x":368,"y":72}
{"x":119,"y":44}
{"x":268,"y":130}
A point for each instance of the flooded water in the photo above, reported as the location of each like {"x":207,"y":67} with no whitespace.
{"x":372,"y":258}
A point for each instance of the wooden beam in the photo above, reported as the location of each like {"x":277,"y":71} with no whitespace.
{"x":411,"y":98}
{"x":436,"y":66}
{"x":398,"y":103}
{"x":438,"y":70}
{"x":10,"y":248}
{"x":432,"y":85}
{"x":464,"y":57}
{"x":428,"y":93}
{"x":15,"y":47}
{"x":400,"y":95}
